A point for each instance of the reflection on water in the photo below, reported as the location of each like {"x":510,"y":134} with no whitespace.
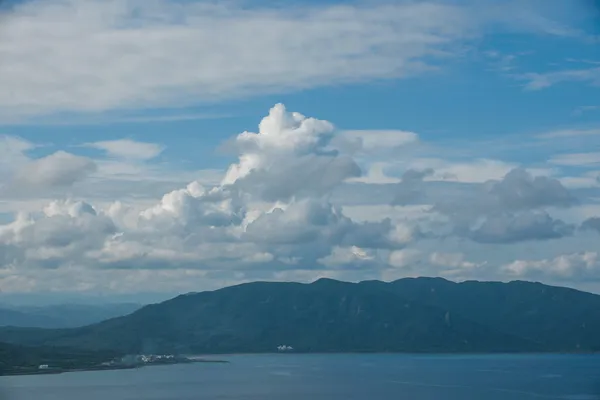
{"x":331,"y":377}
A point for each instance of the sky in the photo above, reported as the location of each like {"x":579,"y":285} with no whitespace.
{"x":149,"y":148}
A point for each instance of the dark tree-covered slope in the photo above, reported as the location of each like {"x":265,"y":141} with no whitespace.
{"x":409,"y":315}
{"x":24,"y":359}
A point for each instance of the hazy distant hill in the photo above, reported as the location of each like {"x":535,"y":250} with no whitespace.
{"x":409,"y":315}
{"x":62,"y":315}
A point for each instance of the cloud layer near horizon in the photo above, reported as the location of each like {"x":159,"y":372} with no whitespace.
{"x":127,"y":208}
{"x":276,"y":213}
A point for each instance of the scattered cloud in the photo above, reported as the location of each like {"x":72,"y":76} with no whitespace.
{"x":273,"y":212}
{"x":521,"y":190}
{"x":20,"y":174}
{"x":452,"y":260}
{"x":518,"y":190}
{"x":576,"y":159}
{"x":585,"y":109}
{"x":471,"y":171}
{"x":569,"y":267}
{"x":518,"y":227}
{"x":128,"y":149}
{"x":588,"y":180}
{"x":568,"y":133}
{"x":501,"y":62}
{"x":408,"y":190}
{"x":591,"y":224}
{"x":344,"y":257}
{"x":404,"y":258}
{"x":98,"y":56}
{"x":58,"y":169}
{"x":145,"y":116}
{"x":413,"y":262}
{"x":538,"y":81}
{"x":13,"y":152}
{"x":375,"y":174}
{"x":370,"y":141}
{"x":510,"y":210}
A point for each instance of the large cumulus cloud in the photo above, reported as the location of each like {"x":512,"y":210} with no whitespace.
{"x":512,"y":209}
{"x":270,"y":209}
{"x":60,"y":235}
{"x":289,"y":157}
{"x":275,"y":214}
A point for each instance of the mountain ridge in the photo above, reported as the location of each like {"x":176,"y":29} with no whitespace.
{"x":406,"y":315}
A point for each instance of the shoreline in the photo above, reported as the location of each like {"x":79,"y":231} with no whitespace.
{"x":407,"y":353}
{"x":204,"y":358}
{"x":107,"y":368}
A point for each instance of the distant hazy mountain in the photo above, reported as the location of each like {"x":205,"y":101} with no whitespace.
{"x":63,"y":315}
{"x":409,"y":315}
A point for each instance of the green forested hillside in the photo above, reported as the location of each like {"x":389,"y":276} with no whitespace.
{"x":409,"y":315}
{"x":23,"y":359}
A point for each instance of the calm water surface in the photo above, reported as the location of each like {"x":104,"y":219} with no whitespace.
{"x":329,"y":377}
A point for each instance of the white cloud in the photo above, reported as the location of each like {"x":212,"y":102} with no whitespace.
{"x":576,"y":159}
{"x":12,"y":154}
{"x":288,"y":157}
{"x":571,"y":267}
{"x":93,"y":55}
{"x":585,"y":109}
{"x":517,"y":227}
{"x":590,"y":179}
{"x":567,"y":133}
{"x":375,"y":175}
{"x":111,"y":118}
{"x":404,"y":258}
{"x":58,"y":169}
{"x":476,"y":171}
{"x":539,"y":81}
{"x":510,"y":210}
{"x":273,"y":214}
{"x":129,"y":149}
{"x":347,"y":256}
{"x":454,"y":265}
{"x":28,"y":180}
{"x":520,"y":189}
{"x":409,"y":189}
{"x":415,"y":262}
{"x":270,"y":206}
{"x":59,"y":236}
{"x":397,"y":214}
{"x":450,"y":260}
{"x":376,"y":140}
{"x":22,"y":176}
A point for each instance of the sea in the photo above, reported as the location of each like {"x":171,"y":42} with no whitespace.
{"x":329,"y":377}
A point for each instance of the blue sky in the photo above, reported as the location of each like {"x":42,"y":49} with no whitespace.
{"x":109,"y":106}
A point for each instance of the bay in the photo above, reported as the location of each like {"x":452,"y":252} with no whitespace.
{"x":329,"y":377}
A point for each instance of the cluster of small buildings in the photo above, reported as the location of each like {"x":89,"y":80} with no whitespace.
{"x":146,"y":359}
